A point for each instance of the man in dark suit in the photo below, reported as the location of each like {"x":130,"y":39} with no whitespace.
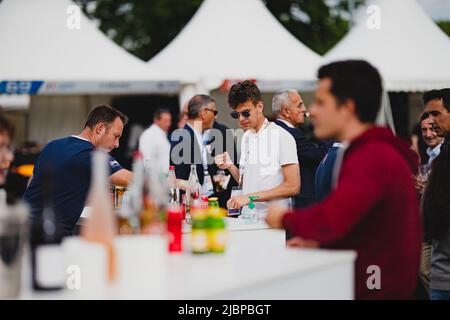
{"x":289,"y":109}
{"x":196,"y":143}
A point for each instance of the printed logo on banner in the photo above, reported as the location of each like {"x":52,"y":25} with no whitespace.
{"x":20,"y":87}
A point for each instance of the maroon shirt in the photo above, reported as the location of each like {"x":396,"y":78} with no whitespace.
{"x":374,"y":210}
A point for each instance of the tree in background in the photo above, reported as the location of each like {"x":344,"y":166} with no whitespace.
{"x":445,"y":26}
{"x":145,"y":27}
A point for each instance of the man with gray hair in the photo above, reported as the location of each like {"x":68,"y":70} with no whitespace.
{"x":289,"y":110}
{"x":191,"y":144}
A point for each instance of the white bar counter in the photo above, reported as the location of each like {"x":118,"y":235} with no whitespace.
{"x":256,"y":265}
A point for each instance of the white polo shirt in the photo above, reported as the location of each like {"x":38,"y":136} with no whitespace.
{"x":263,"y":153}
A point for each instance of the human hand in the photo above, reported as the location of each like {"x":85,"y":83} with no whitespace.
{"x":223,"y":161}
{"x":299,"y":242}
{"x":275,"y":214}
{"x":238,"y":202}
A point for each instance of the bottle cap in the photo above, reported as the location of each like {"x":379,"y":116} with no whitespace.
{"x":251,"y":205}
{"x":172,"y":168}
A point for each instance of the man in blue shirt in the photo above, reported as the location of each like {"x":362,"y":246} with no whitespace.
{"x":69,"y":160}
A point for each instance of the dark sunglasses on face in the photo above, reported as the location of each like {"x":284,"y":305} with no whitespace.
{"x":236,"y":114}
{"x":212,"y":110}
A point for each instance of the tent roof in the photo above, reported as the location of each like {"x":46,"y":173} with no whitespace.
{"x":37,"y":45}
{"x":235,"y":39}
{"x":411,"y":52}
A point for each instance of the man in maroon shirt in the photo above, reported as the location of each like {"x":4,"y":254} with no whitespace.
{"x":373,"y":207}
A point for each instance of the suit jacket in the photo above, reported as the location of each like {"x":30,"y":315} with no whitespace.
{"x":309,"y":156}
{"x":183,"y":169}
{"x":324,"y":174}
{"x":229,"y":145}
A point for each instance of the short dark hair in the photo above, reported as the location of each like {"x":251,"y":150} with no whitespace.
{"x":243,"y":91}
{"x":357,"y":80}
{"x":104,"y":114}
{"x":196,"y":103}
{"x":159,"y":112}
{"x":443,"y":94}
{"x":6,"y":126}
{"x":424,"y":116}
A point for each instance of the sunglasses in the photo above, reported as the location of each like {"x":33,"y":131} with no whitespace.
{"x":212,"y":110}
{"x":236,"y":114}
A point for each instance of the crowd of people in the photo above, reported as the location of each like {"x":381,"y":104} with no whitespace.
{"x":358,"y":189}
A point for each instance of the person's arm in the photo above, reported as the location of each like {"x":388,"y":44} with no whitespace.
{"x":122,"y":178}
{"x":224,"y":162}
{"x":288,"y":188}
{"x":360,"y":188}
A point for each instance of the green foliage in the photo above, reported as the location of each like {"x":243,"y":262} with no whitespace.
{"x":445,"y":26}
{"x":144,"y":27}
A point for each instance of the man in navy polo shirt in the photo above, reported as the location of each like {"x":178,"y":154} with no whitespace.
{"x":69,"y":160}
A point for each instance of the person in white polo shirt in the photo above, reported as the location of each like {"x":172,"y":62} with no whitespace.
{"x":268,"y":166}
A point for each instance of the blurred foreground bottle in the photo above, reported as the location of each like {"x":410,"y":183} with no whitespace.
{"x":132,"y":201}
{"x":174,"y":227}
{"x":199,"y":236}
{"x":47,"y":259}
{"x":13,"y":223}
{"x":192,"y":191}
{"x":101,"y":227}
{"x":153,"y":214}
{"x":174,"y":191}
{"x":216,"y":227}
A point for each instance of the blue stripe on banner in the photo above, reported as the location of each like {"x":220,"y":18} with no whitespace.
{"x":20,"y":87}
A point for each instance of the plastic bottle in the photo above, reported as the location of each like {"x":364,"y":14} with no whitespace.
{"x":250,"y":213}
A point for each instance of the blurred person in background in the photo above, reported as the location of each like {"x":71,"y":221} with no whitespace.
{"x":373,"y":207}
{"x":6,"y":153}
{"x":22,"y":168}
{"x":154,"y":142}
{"x":183,"y":118}
{"x":436,"y":200}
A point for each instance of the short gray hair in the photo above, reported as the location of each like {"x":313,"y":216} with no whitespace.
{"x":281,"y":98}
{"x":196,"y":104}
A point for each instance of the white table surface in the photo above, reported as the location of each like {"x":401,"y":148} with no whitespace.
{"x":256,"y":265}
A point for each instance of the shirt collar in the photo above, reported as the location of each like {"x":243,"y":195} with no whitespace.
{"x":435,"y":151}
{"x":263,"y":127}
{"x":78,"y":137}
{"x":286,"y":123}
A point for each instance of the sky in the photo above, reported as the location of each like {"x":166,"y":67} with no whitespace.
{"x":437,"y":9}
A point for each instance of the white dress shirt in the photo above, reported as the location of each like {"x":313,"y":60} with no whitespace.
{"x":155,"y":148}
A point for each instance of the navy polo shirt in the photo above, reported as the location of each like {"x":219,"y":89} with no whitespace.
{"x":70,"y":161}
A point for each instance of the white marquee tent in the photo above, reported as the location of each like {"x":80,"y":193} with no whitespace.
{"x":233,"y":40}
{"x":409,"y":49}
{"x":44,"y":52}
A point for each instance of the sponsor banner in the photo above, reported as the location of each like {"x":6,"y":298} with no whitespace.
{"x":88,"y":87}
